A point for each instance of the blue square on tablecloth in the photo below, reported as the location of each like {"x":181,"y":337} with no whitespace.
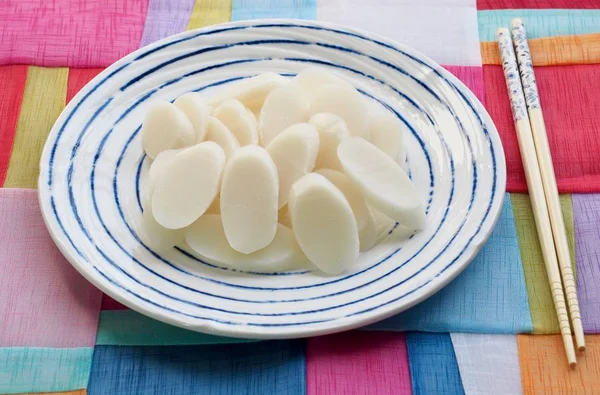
{"x":270,"y":367}
{"x":489,"y":296}
{"x":433,"y":366}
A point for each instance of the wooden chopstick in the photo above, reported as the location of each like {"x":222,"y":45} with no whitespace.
{"x":536,"y":119}
{"x":534,"y":184}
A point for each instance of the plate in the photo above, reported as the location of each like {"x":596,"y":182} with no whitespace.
{"x":93,"y":168}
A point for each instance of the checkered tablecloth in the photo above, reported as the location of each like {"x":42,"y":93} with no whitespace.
{"x":492,"y":330}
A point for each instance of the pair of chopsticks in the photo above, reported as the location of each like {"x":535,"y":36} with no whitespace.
{"x":541,"y":182}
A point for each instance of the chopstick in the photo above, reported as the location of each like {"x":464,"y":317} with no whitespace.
{"x":535,"y":186}
{"x":536,"y":119}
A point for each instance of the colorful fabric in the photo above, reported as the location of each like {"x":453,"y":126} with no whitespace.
{"x":433,"y":366}
{"x":273,"y":367}
{"x":357,"y":362}
{"x":489,"y":296}
{"x":492,"y":330}
{"x":488,"y":364}
{"x":553,"y":51}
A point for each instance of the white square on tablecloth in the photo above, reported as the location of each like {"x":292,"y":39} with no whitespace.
{"x":444,"y":30}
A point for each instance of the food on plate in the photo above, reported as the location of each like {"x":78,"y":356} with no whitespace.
{"x":252,"y":92}
{"x":207,"y":238}
{"x":239,"y":120}
{"x":283,"y":108}
{"x":197,"y":111}
{"x":332,"y":130}
{"x":188,"y":185}
{"x":383,"y":134}
{"x":219,"y":133}
{"x":323,"y":223}
{"x":310,"y":80}
{"x":365,"y":221}
{"x":382,"y":181}
{"x":314,"y":183}
{"x":294,"y":152}
{"x":249,"y":199}
{"x":345,"y":102}
{"x":165,"y":127}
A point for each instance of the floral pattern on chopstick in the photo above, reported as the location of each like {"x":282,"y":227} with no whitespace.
{"x":532,"y":99}
{"x":511,"y":74}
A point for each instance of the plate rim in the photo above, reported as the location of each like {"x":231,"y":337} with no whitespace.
{"x":328,"y":327}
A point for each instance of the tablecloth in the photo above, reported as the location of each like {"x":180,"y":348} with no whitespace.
{"x":492,"y":330}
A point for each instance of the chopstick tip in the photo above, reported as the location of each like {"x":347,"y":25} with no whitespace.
{"x":501,"y":30}
{"x":516,"y":22}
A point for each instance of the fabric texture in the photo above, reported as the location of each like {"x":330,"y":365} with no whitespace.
{"x":274,"y":367}
{"x":488,"y":364}
{"x":44,"y":302}
{"x":209,"y":12}
{"x":257,"y":9}
{"x":504,"y":4}
{"x":433,"y":366}
{"x":472,"y":77}
{"x":586,"y":213}
{"x":78,"y":78}
{"x":489,"y":296}
{"x":449,"y":37}
{"x":165,"y":18}
{"x":571,"y":90}
{"x":24,"y":369}
{"x":75,"y":33}
{"x":357,"y":363}
{"x":553,"y":51}
{"x":543,"y":366}
{"x":43,"y":100}
{"x":12,"y":85}
{"x":55,"y":328}
{"x":540,"y":23}
{"x":543,"y":313}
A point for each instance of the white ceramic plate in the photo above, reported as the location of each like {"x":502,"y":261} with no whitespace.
{"x":93,"y":168}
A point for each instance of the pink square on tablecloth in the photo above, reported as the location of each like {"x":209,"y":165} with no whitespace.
{"x":44,"y":302}
{"x":357,"y":363}
{"x":570,"y":99}
{"x":472,"y":77}
{"x":76,"y":33}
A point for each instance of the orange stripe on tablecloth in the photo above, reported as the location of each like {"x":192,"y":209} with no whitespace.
{"x":12,"y":85}
{"x":78,"y":78}
{"x":553,"y":51}
{"x":43,"y":101}
{"x":544,"y":367}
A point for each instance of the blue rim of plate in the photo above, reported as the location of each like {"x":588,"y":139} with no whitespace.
{"x":108,"y":285}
